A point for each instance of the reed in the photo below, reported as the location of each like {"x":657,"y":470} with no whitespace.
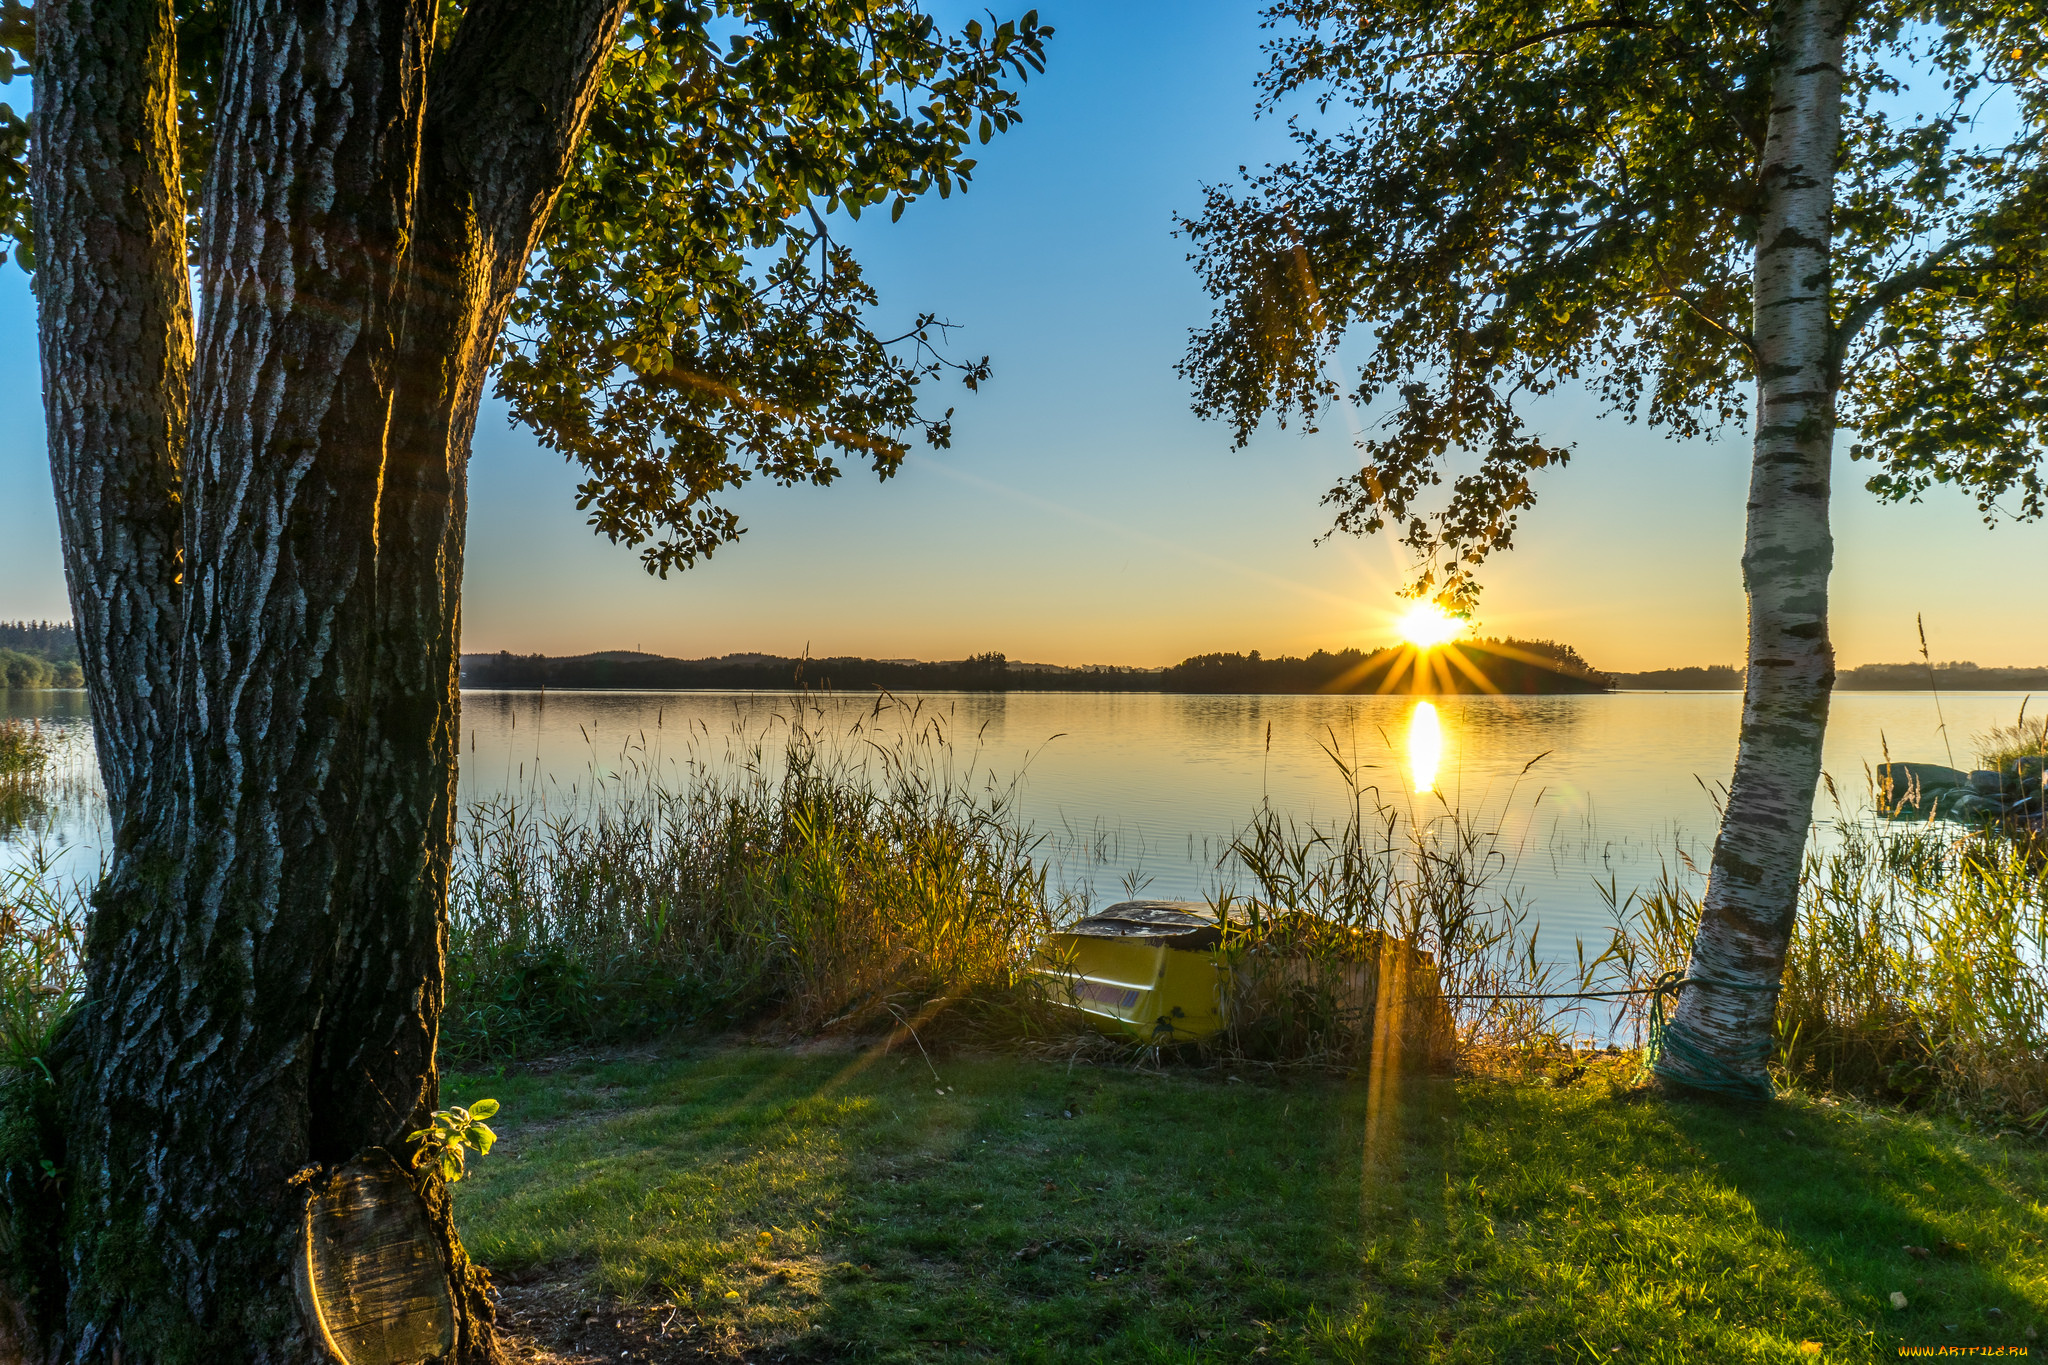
{"x":24,"y":750}
{"x":42,"y":920}
{"x":853,"y":880}
{"x":1398,"y":928}
{"x":2008,"y":747}
{"x":1917,"y":973}
{"x":872,"y":878}
{"x":25,"y":753}
{"x":862,"y":881}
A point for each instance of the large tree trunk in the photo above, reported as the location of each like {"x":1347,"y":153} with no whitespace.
{"x":507,"y":106}
{"x":264,"y":963}
{"x":116,"y":333}
{"x":221,"y":933}
{"x":1720,"y":1037}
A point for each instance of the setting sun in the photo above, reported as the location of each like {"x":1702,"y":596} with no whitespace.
{"x":1427,"y":625}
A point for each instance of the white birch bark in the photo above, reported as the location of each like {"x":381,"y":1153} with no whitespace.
{"x":1719,"y":1038}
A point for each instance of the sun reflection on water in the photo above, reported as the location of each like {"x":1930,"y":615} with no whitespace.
{"x":1425,"y":745}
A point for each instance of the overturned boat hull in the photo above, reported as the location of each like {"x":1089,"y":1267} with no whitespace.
{"x":1158,"y":972}
{"x":1149,"y":970}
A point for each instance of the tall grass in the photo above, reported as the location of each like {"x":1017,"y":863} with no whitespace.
{"x":851,"y":880}
{"x":24,"y":760}
{"x":42,"y":913}
{"x":24,"y":749}
{"x":2007,"y":746}
{"x":42,"y":920}
{"x":1403,"y":914}
{"x":870,"y":877}
{"x":1917,"y":972}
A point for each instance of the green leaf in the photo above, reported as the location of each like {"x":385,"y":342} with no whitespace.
{"x":687,"y":219}
{"x":1480,"y":213}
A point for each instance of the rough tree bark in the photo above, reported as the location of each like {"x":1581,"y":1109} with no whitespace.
{"x":116,"y":340}
{"x":264,"y":962}
{"x":506,"y":108}
{"x":1719,"y":1038}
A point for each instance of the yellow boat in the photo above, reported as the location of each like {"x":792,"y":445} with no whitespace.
{"x":1147,"y":969}
{"x":1156,"y":971}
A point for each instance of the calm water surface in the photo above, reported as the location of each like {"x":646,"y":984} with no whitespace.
{"x":1146,"y":791}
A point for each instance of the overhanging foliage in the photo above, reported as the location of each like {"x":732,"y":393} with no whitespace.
{"x":1533,"y":193}
{"x":690,"y":322}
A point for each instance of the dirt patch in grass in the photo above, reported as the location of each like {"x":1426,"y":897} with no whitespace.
{"x":555,"y":1317}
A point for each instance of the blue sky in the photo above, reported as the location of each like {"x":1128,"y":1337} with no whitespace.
{"x":1084,"y":514}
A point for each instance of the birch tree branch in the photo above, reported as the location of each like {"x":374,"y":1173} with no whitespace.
{"x":1922,"y":274}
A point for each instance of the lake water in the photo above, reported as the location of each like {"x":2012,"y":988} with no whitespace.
{"x":1146,"y":791}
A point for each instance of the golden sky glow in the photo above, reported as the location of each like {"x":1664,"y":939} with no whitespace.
{"x":1084,"y":514}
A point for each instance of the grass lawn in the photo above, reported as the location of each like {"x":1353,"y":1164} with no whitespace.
{"x":853,"y":1206}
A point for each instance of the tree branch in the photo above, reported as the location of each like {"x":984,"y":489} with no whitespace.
{"x":1548,"y":35}
{"x":1923,"y":274}
{"x":505,"y":112}
{"x":1742,"y":336}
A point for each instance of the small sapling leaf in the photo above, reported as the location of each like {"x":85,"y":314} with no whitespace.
{"x":452,"y":1133}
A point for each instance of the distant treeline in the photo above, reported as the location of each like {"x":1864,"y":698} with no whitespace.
{"x":1956,"y":677}
{"x":769,"y":672}
{"x":1508,"y":666}
{"x":1712,"y":678}
{"x":1948,"y":677}
{"x":39,"y":654}
{"x":1512,"y":666}
{"x":52,"y":640}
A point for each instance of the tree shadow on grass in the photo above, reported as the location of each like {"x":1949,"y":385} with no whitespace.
{"x":1003,"y":1206}
{"x":864,"y":1207}
{"x":1595,"y":1224}
{"x":1873,"y":1204}
{"x":1103,"y":1214}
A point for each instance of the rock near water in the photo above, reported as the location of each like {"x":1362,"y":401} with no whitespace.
{"x":2012,"y":795}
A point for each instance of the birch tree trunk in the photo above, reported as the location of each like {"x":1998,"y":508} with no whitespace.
{"x":268,"y":615}
{"x":1720,"y":1036}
